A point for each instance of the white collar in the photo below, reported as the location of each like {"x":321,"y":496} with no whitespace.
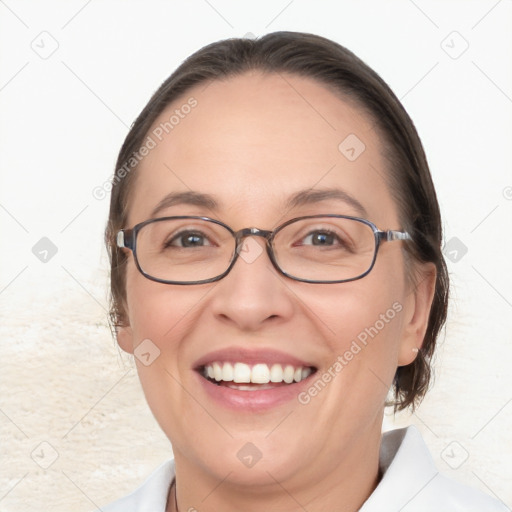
{"x":406,"y":465}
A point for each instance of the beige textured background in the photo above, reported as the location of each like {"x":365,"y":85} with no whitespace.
{"x":67,"y":393}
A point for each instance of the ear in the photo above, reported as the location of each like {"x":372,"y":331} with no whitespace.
{"x":417,"y":312}
{"x":124,"y":337}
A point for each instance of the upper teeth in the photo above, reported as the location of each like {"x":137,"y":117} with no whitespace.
{"x":259,"y":373}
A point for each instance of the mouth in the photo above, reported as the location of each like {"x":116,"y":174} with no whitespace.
{"x":252,"y":380}
{"x":254,"y":377}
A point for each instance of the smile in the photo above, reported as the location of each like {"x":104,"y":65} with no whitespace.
{"x":231,"y":374}
{"x":252,"y":380}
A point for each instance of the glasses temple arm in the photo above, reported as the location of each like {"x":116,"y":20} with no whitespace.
{"x":124,"y":238}
{"x":392,"y":234}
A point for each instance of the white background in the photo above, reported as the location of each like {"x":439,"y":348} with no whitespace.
{"x":63,"y":119}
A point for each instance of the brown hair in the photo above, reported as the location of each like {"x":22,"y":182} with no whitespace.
{"x":334,"y":66}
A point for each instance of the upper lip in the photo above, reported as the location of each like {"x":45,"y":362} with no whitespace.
{"x":250,"y":356}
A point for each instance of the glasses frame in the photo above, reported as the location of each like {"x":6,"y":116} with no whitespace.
{"x":127,"y":238}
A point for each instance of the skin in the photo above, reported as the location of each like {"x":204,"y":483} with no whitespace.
{"x":252,"y":141}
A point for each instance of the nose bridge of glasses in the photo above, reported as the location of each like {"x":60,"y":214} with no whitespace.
{"x":251,"y":252}
{"x":242,"y":234}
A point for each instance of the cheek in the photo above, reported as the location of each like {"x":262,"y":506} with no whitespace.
{"x":357,"y":311}
{"x":362,"y":324}
{"x":156,"y":310}
{"x":161,"y":316}
{"x":363,"y":340}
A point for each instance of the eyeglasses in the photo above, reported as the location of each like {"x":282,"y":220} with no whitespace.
{"x":312,"y":249}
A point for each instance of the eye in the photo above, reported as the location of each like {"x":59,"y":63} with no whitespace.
{"x":188,"y":239}
{"x":325,"y":238}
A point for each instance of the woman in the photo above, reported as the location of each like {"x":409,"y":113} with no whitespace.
{"x":275,"y":243}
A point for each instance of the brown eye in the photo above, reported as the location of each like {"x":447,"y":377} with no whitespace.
{"x":188,"y":239}
{"x":321,"y":238}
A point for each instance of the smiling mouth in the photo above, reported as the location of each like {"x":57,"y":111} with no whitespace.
{"x":254,"y":377}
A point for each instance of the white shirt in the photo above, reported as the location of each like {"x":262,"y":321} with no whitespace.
{"x":410,"y":483}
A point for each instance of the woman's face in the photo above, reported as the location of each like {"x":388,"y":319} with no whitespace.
{"x":251,"y":143}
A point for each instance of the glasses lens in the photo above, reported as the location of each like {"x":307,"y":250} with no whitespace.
{"x":325,"y":248}
{"x":184,"y":250}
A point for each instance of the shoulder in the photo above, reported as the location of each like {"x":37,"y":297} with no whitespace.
{"x":412,"y":483}
{"x":151,"y":496}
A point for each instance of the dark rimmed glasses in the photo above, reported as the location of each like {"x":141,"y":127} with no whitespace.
{"x":312,"y":249}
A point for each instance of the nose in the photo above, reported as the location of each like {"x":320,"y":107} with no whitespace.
{"x":253,"y":294}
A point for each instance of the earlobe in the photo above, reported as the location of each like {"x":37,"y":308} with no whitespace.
{"x":124,"y":337}
{"x":417,"y":314}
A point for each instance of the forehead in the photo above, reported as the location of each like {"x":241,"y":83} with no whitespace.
{"x":254,"y":140}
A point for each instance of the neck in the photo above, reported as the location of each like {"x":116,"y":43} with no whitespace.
{"x":342,"y":485}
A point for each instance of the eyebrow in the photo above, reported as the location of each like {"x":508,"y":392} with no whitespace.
{"x":300,"y":198}
{"x":312,"y":196}
{"x":190,"y":198}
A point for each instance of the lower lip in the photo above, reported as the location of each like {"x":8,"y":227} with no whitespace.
{"x":253,"y":401}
